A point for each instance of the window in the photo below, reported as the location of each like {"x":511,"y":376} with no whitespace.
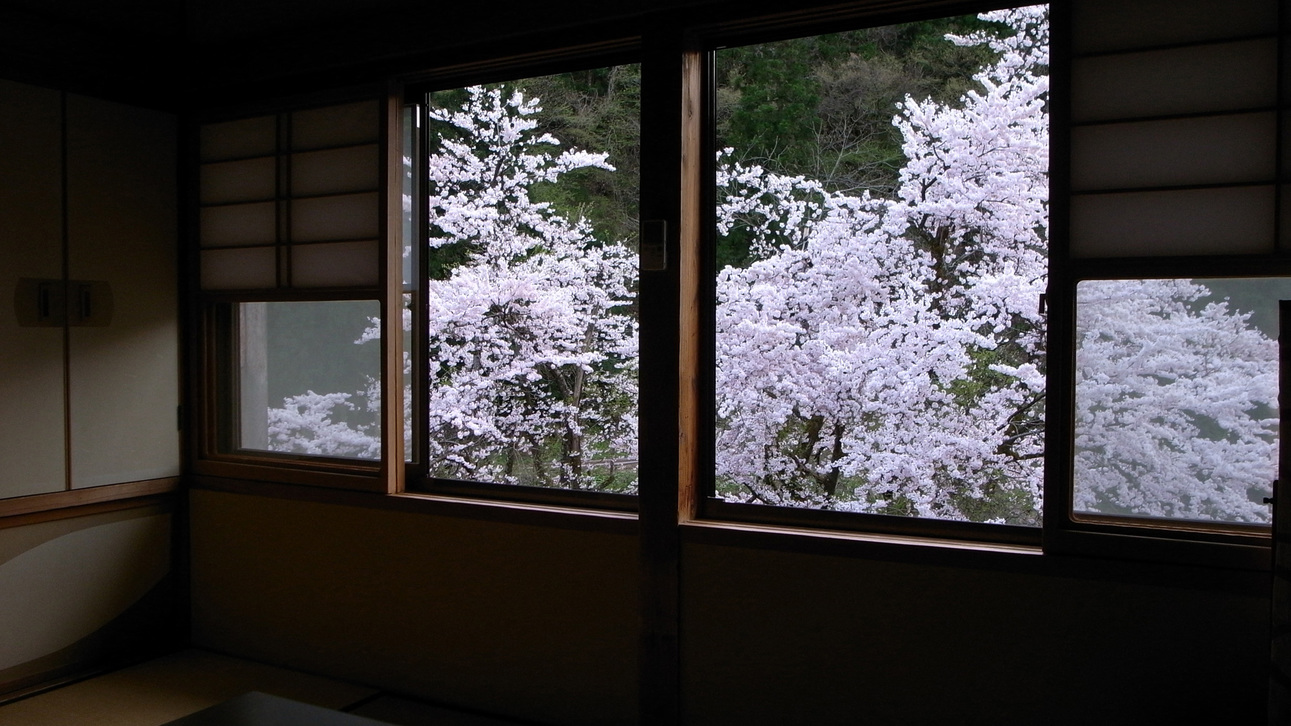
{"x":1177,"y":398}
{"x":882,"y":253}
{"x":525,"y":318}
{"x":290,"y":259}
{"x":1165,"y":405}
{"x":309,"y":378}
{"x":863,"y":303}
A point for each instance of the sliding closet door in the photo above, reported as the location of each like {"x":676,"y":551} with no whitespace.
{"x":123,"y":343}
{"x":32,"y":442}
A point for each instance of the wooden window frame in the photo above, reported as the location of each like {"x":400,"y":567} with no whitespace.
{"x":212,"y":345}
{"x":1181,"y":541}
{"x":676,"y":421}
{"x":417,"y":480}
{"x":705,"y":505}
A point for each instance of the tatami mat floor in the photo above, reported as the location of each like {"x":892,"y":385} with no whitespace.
{"x":164,"y":689}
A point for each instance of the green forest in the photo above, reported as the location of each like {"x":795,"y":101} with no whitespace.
{"x":819,"y":107}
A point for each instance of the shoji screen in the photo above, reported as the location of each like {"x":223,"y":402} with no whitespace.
{"x":1175,"y":124}
{"x":292,"y":200}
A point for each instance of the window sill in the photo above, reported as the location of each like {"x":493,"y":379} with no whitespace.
{"x":1083,"y":554}
{"x":510,"y":512}
{"x":854,"y":544}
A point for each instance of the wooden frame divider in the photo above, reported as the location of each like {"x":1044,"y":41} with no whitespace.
{"x":80,"y":502}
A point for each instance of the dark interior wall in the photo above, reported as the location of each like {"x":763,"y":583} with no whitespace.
{"x":535,"y":622}
{"x":541,"y":623}
{"x":773,"y":636}
{"x":194,"y":54}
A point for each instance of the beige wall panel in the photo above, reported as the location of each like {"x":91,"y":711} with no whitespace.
{"x":777,"y":638}
{"x":122,"y":216}
{"x":533,"y":622}
{"x":336,"y":171}
{"x":240,"y":269}
{"x":61,"y":581}
{"x":31,"y":359}
{"x":343,"y":217}
{"x":247,"y":180}
{"x":239,"y":224}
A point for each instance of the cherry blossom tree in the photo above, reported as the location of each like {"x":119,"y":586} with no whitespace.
{"x":1176,"y":404}
{"x":531,"y":337}
{"x":881,"y":355}
{"x":886,"y":355}
{"x":532,"y":343}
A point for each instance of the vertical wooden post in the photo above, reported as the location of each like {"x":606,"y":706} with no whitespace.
{"x":669,"y":193}
{"x":1279,"y":708}
{"x":253,"y":376}
{"x":391,"y":257}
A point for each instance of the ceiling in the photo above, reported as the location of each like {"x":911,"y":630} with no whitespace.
{"x":179,"y":54}
{"x":164,"y":49}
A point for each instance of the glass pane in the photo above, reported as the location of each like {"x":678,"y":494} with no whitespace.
{"x":1177,"y":397}
{"x":532,"y":330}
{"x":309,"y":378}
{"x":882,"y":250}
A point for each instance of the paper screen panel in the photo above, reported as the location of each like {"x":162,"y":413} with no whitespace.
{"x":344,"y":217}
{"x":248,"y":180}
{"x":352,"y":123}
{"x":1221,"y":221}
{"x":238,"y":224}
{"x":239,"y":139}
{"x":1284,"y":229}
{"x":1177,"y":152}
{"x":251,"y":268}
{"x":335,"y":171}
{"x":342,"y":264}
{"x":1197,"y":79}
{"x":1106,"y":25}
